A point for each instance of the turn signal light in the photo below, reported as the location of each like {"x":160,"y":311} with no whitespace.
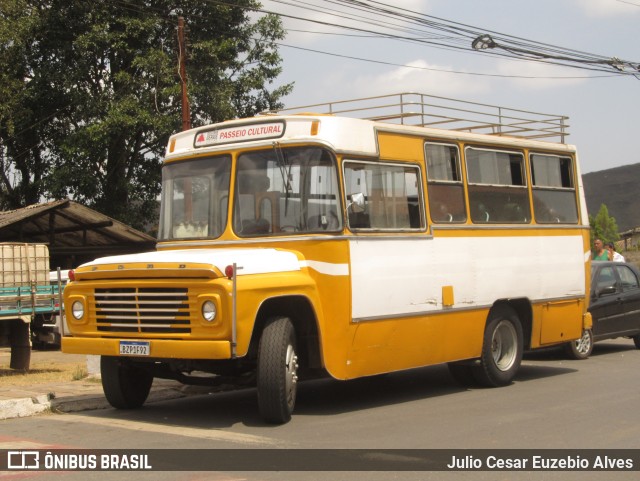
{"x":228,"y":271}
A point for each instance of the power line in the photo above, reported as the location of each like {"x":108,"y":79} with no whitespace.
{"x":435,"y":32}
{"x":629,"y":3}
{"x":436,"y":69}
{"x":459,"y":36}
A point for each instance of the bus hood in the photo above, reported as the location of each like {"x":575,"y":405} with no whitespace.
{"x":190,"y":263}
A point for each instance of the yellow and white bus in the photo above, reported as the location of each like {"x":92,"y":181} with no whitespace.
{"x":293,"y":245}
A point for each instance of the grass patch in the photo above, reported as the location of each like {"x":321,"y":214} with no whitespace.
{"x":42,"y":374}
{"x":79,"y":373}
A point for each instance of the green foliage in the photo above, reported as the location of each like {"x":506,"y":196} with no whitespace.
{"x":92,"y":92}
{"x":603,"y":226}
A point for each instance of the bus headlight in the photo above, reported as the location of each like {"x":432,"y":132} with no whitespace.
{"x":77,"y":310}
{"x":209,"y":311}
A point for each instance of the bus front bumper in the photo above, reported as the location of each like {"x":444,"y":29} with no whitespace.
{"x":169,"y":349}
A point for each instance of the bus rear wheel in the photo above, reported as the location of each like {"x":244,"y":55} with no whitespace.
{"x":501,"y":350}
{"x":125,"y":385}
{"x":277,"y":371}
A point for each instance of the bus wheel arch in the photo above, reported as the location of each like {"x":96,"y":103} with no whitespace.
{"x":300,"y":312}
{"x":502,"y":347}
{"x":524,"y":311}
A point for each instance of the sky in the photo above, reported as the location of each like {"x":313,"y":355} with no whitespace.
{"x":603,"y":108}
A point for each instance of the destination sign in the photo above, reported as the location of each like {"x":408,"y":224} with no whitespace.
{"x":239,"y":133}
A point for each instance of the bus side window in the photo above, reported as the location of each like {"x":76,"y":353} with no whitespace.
{"x":497,"y":186}
{"x":446,"y":192}
{"x":554,"y":194}
{"x":391,"y":193}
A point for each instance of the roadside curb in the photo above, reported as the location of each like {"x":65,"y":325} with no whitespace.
{"x":25,"y":407}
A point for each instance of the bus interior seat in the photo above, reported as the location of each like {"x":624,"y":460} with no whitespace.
{"x":480,"y":213}
{"x":513,"y":212}
{"x":255,"y":226}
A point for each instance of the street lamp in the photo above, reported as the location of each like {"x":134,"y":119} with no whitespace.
{"x":483,"y":42}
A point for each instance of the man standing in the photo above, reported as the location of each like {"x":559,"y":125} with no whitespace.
{"x":599,"y":252}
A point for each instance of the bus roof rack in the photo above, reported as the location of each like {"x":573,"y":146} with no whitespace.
{"x":424,"y":110}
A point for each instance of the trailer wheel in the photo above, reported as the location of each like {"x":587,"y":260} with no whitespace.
{"x":125,"y":385}
{"x":20,"y":342}
{"x":277,"y":371}
{"x":502,"y":348}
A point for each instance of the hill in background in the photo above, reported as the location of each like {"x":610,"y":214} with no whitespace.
{"x":618,"y":189}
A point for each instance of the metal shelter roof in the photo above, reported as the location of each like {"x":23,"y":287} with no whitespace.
{"x":74,"y":233}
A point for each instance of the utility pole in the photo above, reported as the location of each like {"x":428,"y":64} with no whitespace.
{"x":186,"y":115}
{"x":182,"y":57}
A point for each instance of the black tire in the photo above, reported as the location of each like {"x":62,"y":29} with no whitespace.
{"x":463,"y":373}
{"x":125,"y":385}
{"x":277,"y":371}
{"x":501,"y":349}
{"x":20,"y":342}
{"x":580,"y":348}
{"x":636,"y":340}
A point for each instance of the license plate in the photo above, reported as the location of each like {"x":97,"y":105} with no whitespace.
{"x":135,"y":348}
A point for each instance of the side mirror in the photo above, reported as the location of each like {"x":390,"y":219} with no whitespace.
{"x":357,"y":202}
{"x":606,"y":291}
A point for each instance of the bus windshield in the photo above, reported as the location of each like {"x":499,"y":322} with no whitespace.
{"x":195,"y":196}
{"x":284,"y":190}
{"x":277,"y":191}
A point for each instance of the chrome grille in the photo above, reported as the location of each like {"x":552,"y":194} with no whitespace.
{"x":143,"y":310}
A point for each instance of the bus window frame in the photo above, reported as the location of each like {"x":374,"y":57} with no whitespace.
{"x":449,"y":217}
{"x":349,"y":204}
{"x":487,"y":215}
{"x":573,"y":189}
{"x":279,"y":229}
{"x":167,"y":205}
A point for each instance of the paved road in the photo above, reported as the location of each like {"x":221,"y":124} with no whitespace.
{"x":554,"y":404}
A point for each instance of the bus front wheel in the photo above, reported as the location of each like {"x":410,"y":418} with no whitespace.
{"x":501,"y":350}
{"x":277,"y":371}
{"x":125,"y":385}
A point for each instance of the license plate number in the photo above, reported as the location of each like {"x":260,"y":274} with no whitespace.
{"x":134,"y":348}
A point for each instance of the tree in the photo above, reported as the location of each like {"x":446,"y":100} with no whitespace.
{"x":95,"y":93}
{"x":603,"y":226}
{"x":24,"y":109}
